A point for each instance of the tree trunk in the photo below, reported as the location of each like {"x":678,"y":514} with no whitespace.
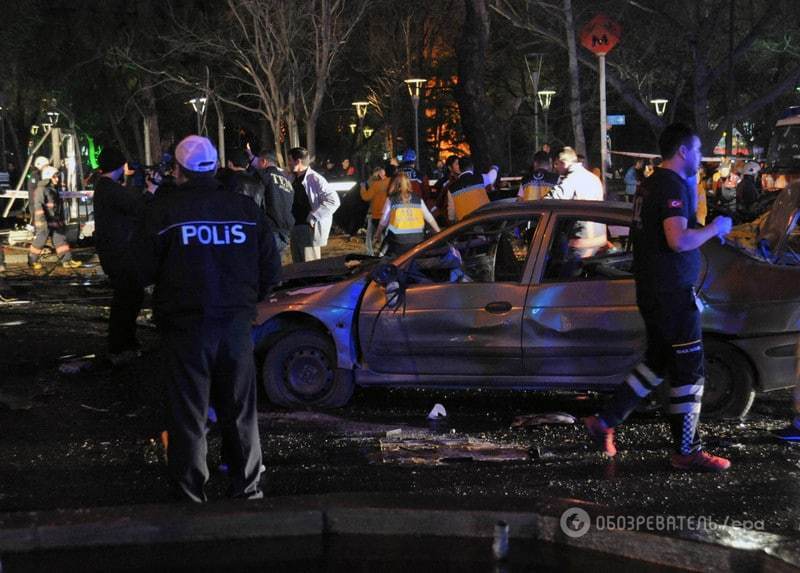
{"x":136,"y":127}
{"x":574,"y":83}
{"x":311,"y":135}
{"x":151,"y":118}
{"x":123,"y":147}
{"x":477,"y":117}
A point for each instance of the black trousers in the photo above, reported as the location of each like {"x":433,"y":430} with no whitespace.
{"x":126,"y":303}
{"x":674,"y":352}
{"x":212,"y":358}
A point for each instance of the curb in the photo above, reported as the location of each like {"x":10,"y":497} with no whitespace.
{"x":720,"y":549}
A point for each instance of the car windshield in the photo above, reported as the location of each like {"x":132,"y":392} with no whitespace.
{"x":784,"y":149}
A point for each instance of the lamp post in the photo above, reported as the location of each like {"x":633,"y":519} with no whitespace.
{"x":545,"y":99}
{"x":199,"y":107}
{"x":368,"y":131}
{"x":661,"y":106}
{"x":3,"y":163}
{"x":533,"y":62}
{"x":414,"y":85}
{"x":361,"y":113}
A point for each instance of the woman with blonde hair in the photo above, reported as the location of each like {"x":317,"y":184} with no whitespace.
{"x":405,"y":215}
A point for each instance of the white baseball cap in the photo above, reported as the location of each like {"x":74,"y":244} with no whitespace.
{"x":196,"y":153}
{"x":49,"y":172}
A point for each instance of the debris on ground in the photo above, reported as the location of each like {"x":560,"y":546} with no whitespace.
{"x":435,"y":451}
{"x":437,"y":411}
{"x":14,"y":402}
{"x":337,"y":424}
{"x":94,"y":409}
{"x":542,"y":419}
{"x":76,"y":366}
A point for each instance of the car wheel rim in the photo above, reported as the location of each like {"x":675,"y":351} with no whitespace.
{"x":718,"y":386}
{"x":308,"y":373}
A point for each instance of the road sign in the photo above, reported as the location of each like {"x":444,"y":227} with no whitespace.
{"x":600,"y":35}
{"x":616,"y":120}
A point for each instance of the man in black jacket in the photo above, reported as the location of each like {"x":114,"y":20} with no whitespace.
{"x":212,"y":257}
{"x":117,"y":213}
{"x":278,"y":197}
{"x":237,"y":178}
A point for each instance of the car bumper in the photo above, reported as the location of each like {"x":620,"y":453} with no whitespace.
{"x":773,"y":358}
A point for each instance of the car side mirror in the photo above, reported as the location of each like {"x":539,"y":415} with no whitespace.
{"x":384,"y":274}
{"x":390,"y":278}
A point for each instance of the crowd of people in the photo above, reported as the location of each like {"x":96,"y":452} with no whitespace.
{"x":210,"y":241}
{"x":724,"y":186}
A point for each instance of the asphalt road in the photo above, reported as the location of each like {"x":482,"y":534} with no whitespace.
{"x":92,"y":439}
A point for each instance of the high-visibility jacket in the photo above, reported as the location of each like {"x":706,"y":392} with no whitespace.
{"x":407,"y":219}
{"x":537,"y":185}
{"x":469,"y":193}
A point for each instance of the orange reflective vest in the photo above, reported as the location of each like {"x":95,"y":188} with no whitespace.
{"x":538,"y":185}
{"x":469,"y":193}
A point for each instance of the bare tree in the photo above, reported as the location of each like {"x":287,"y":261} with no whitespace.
{"x":689,"y":62}
{"x":477,"y":114}
{"x":333,"y":23}
{"x":555,"y":24}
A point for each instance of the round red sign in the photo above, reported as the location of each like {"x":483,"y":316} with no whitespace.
{"x":600,"y":35}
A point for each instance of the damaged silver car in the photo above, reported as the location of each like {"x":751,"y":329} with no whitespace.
{"x":524,"y":296}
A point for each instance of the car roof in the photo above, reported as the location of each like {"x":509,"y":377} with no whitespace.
{"x":554,"y":206}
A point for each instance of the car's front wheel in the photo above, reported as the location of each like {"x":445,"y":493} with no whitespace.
{"x":729,"y":388}
{"x":299,"y":370}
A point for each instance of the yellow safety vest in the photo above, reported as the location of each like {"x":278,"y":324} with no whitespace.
{"x":539,"y":185}
{"x":406,"y":218}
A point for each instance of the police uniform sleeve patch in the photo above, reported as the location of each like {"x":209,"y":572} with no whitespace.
{"x":675,"y":204}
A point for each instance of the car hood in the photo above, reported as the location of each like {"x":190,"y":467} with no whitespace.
{"x":324,"y":271}
{"x":766,"y":237}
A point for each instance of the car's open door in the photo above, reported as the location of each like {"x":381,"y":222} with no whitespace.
{"x":581,"y":319}
{"x":461,"y":313}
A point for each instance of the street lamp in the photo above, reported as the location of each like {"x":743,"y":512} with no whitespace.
{"x":353,"y":127}
{"x":661,"y":105}
{"x":545,"y":99}
{"x":361,"y":113}
{"x":3,"y":164}
{"x":53,"y":117}
{"x":533,"y":62}
{"x":368,"y":131}
{"x":414,"y":85}
{"x":199,"y":107}
{"x":361,"y":109}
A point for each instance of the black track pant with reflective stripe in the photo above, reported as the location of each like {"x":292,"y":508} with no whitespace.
{"x":212,"y":358}
{"x":674,"y":352}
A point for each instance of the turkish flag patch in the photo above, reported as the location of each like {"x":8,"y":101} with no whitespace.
{"x":675,"y":204}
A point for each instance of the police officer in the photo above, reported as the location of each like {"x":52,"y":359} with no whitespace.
{"x":540,"y":181}
{"x":212,"y":257}
{"x":666,"y":242}
{"x":278,"y":197}
{"x":468,"y":192}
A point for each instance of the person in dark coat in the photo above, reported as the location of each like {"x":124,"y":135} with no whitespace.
{"x":117,"y":213}
{"x":238,"y":179}
{"x":278,"y":196}
{"x":212,"y":257}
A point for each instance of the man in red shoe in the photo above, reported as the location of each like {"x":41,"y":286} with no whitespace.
{"x":666,"y":242}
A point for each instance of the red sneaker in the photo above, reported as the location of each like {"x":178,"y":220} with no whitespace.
{"x":700,"y":462}
{"x":601,"y":435}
